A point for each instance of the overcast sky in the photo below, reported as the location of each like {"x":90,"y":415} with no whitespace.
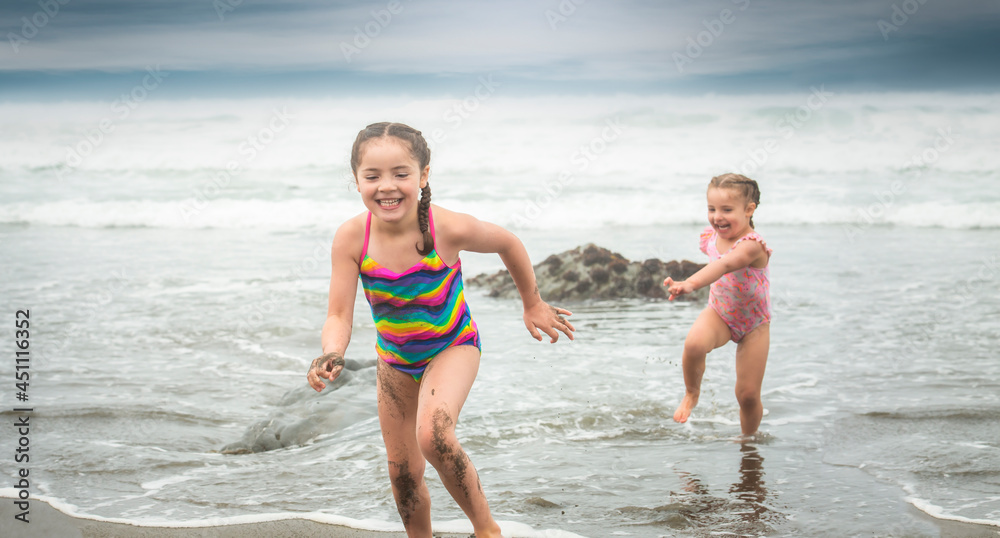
{"x":324,"y":47}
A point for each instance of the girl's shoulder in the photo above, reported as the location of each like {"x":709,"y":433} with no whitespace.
{"x":441,"y":214}
{"x":354,"y":224}
{"x":455,"y":232}
{"x":448,"y":222}
{"x":754,"y":236}
{"x":350,"y":236}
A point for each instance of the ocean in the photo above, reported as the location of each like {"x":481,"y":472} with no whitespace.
{"x":174,"y":258}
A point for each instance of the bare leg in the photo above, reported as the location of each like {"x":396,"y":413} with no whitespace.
{"x":707,"y":333}
{"x":751,"y":359}
{"x":397,"y":416}
{"x":443,"y":390}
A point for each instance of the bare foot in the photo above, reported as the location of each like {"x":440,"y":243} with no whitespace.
{"x":684,"y":409}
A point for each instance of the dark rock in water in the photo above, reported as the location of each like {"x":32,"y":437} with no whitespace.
{"x":304,"y":414}
{"x":541,"y":502}
{"x":592,"y":272}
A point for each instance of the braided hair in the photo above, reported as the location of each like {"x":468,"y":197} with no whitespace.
{"x":745,"y":186}
{"x":420,"y":152}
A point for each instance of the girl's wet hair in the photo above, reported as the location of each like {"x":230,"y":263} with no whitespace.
{"x":420,"y":152}
{"x":745,"y":186}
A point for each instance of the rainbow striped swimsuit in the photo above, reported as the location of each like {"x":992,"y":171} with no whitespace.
{"x":418,"y":313}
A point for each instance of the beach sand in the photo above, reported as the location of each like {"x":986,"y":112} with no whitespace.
{"x":46,"y":521}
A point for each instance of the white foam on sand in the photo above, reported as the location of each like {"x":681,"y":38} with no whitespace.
{"x":511,"y":528}
{"x":938,"y":512}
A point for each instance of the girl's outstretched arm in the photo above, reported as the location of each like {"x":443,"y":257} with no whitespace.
{"x":474,"y":235}
{"x":743,"y":255}
{"x":340,"y":310}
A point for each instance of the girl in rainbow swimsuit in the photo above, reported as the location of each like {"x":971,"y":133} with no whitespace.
{"x":406,"y":253}
{"x":739,"y":301}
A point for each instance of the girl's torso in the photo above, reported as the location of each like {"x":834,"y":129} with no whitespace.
{"x":418,"y":311}
{"x":720,"y":245}
{"x":749,"y":280}
{"x":399,"y":254}
{"x":423,"y":277}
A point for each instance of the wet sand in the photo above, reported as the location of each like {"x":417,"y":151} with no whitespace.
{"x":44,"y":520}
{"x":47,"y":521}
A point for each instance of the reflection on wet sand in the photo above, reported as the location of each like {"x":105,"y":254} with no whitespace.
{"x":744,"y":512}
{"x":750,"y":489}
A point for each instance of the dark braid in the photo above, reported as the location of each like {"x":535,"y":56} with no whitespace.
{"x":421,"y":153}
{"x":423,"y":217}
{"x":747,"y":187}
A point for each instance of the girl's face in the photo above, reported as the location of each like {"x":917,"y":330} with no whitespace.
{"x":728,"y":213}
{"x":389,"y":179}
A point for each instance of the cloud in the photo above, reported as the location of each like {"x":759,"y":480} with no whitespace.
{"x":630,"y":43}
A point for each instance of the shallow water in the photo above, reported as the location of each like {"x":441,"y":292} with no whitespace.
{"x":159,"y":341}
{"x":132,"y":411}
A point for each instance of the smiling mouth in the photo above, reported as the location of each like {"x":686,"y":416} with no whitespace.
{"x":722,"y":226}
{"x":389,"y":202}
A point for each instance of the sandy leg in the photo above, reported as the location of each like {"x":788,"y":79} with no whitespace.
{"x":443,"y":390}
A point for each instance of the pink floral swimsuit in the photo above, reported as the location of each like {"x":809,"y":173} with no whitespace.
{"x":741,"y":298}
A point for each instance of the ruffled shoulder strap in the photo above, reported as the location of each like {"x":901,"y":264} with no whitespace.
{"x":754,"y":236}
{"x":705,"y":237}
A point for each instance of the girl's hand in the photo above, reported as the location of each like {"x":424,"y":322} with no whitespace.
{"x":677,"y":289}
{"x":327,"y":367}
{"x":547,"y":319}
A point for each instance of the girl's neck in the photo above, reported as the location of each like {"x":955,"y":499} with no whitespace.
{"x":403,"y":227}
{"x":742,"y":232}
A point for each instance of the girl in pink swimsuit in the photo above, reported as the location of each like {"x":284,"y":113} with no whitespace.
{"x":739,"y":303}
